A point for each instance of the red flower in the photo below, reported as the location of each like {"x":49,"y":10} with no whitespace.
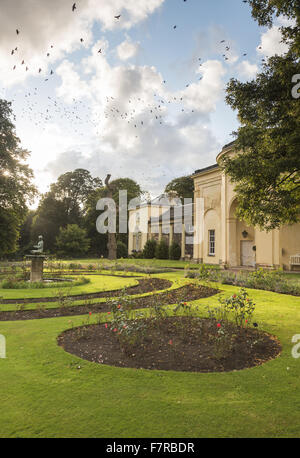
{"x":171,"y":342}
{"x":105,"y":325}
{"x":119,"y":306}
{"x":234,"y":296}
{"x":115,"y":330}
{"x":218,"y":325}
{"x":90,"y":313}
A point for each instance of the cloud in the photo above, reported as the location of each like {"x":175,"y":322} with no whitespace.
{"x":71,"y":79}
{"x":271,"y":41}
{"x":247,"y":70}
{"x":146,"y":132}
{"x":43,"y":24}
{"x":127,"y":49}
{"x":135,"y":125}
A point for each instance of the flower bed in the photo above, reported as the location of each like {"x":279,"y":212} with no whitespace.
{"x":226,"y":340}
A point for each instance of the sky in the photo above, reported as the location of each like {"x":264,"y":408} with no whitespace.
{"x":139,"y":96}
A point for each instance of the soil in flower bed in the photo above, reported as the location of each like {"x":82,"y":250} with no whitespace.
{"x":176,"y":343}
{"x":187,"y":293}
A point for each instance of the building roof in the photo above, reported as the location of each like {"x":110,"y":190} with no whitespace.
{"x":214,"y":166}
{"x":206,"y":169}
{"x":228,"y":144}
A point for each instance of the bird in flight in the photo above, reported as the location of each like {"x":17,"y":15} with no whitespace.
{"x":74,"y":7}
{"x":175,"y":26}
{"x":99,"y":50}
{"x":17,"y":31}
{"x":118,"y":17}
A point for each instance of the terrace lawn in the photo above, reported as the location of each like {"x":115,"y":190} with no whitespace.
{"x":47,"y":392}
{"x":97,"y":283}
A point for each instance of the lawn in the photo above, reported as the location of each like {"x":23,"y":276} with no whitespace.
{"x":47,"y":392}
{"x":97,"y":283}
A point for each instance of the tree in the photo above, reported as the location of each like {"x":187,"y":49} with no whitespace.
{"x":111,"y":190}
{"x":16,"y":188}
{"x":183,"y":187}
{"x":26,"y":242}
{"x":122,"y":251}
{"x":266,"y":167}
{"x":98,"y":246}
{"x":72,"y":241}
{"x":73,"y":188}
{"x":99,"y":241}
{"x":112,"y":240}
{"x":162,"y":250}
{"x":174,"y":251}
{"x":64,"y":204}
{"x":149,"y":249}
{"x":51,"y":215}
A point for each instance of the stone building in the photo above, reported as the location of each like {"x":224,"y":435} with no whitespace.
{"x":217,"y":235}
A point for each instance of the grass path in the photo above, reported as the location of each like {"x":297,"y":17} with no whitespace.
{"x":45,"y":394}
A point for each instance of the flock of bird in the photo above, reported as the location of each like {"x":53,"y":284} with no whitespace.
{"x":80,"y":114}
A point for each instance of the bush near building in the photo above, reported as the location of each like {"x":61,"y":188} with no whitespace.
{"x":149,"y":249}
{"x":162,"y":250}
{"x":175,"y":251}
{"x":121,"y":249}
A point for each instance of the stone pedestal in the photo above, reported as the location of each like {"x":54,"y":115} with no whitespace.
{"x":37,"y":266}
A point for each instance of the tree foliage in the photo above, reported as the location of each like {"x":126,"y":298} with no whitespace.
{"x":16,"y":187}
{"x":162,"y":250}
{"x":183,"y":187}
{"x":175,"y":251}
{"x":266,"y":166}
{"x":64,"y":204}
{"x":72,"y":241}
{"x":149,"y":249}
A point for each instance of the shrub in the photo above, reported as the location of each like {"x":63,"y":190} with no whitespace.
{"x":72,"y":241}
{"x":162,"y":250}
{"x":13,"y":283}
{"x":121,"y":249}
{"x":175,"y":251}
{"x":240,"y":305}
{"x":149,"y":249}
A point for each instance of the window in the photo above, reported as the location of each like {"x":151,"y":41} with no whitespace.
{"x":211,"y":242}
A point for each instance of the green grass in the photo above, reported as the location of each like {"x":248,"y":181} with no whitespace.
{"x":175,"y":278}
{"x":44,"y":394}
{"x":97,"y":283}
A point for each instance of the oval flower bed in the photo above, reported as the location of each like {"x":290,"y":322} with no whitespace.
{"x":167,"y":341}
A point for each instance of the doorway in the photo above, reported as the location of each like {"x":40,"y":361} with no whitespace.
{"x":247,"y":253}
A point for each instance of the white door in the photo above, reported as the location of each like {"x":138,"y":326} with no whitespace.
{"x":247,"y":253}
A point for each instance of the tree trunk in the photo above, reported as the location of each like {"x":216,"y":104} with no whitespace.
{"x":112,"y":242}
